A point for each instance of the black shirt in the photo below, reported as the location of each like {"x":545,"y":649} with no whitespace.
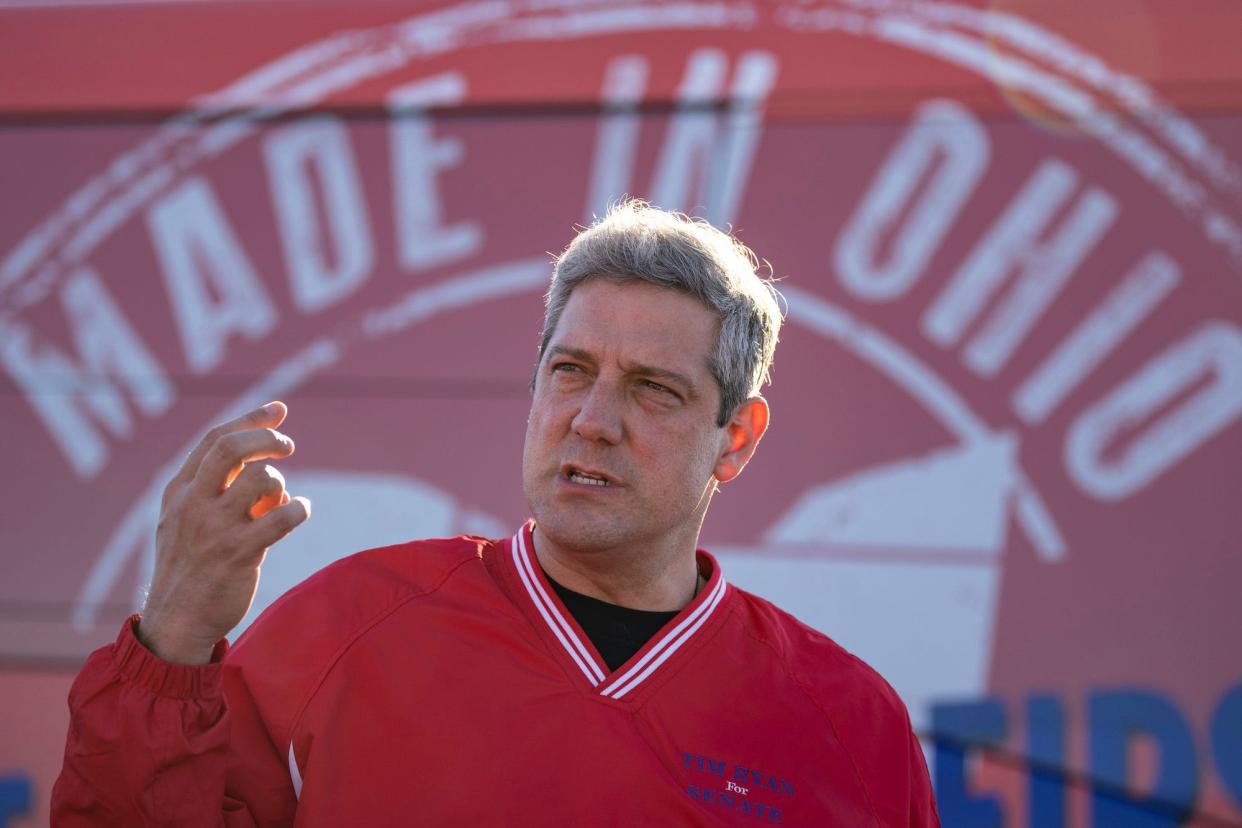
{"x":617,"y":632}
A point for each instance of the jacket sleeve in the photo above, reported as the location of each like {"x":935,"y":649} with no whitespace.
{"x":154,"y":743}
{"x":923,"y":812}
{"x":896,"y":772}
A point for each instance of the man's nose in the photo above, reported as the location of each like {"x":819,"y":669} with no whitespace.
{"x":599,"y":416}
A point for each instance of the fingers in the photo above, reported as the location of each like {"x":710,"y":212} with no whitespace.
{"x":266,"y":416}
{"x":226,"y":457}
{"x":219,"y":515}
{"x":256,"y":491}
{"x":280,"y":521}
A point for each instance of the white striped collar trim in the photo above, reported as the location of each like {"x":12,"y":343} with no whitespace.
{"x":657,"y":652}
{"x":547,"y":607}
{"x":667,"y":644}
{"x":295,"y":775}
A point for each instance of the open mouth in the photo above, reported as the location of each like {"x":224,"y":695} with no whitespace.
{"x":586,"y":478}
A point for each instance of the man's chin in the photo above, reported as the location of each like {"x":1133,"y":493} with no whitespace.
{"x":572,"y":530}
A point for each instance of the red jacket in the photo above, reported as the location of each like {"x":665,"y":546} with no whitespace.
{"x":442,"y":682}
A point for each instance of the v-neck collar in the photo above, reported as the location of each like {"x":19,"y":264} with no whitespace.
{"x":659,"y":654}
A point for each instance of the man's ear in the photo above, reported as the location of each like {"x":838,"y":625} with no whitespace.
{"x":743,"y":432}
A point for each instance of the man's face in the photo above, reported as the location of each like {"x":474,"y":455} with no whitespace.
{"x":622,"y":443}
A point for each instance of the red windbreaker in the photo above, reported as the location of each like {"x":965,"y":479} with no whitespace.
{"x":443,"y":683}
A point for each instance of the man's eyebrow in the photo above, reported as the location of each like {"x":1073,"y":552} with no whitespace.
{"x":652,"y":371}
{"x":576,"y":353}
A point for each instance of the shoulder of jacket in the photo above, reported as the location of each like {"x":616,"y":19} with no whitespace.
{"x":285,"y":655}
{"x":862,"y":711}
{"x":312,"y":623}
{"x":413,"y":567}
{"x":349,"y":593}
{"x":844,"y":686}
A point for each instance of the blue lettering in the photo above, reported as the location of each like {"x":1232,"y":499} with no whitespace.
{"x":775,"y":815}
{"x":958,"y":727}
{"x":758,"y":779}
{"x":1115,"y":718}
{"x":1226,"y":735}
{"x":14,"y":798}
{"x":717,"y":768}
{"x":687,"y":758}
{"x":695,"y":792}
{"x":1045,"y":740}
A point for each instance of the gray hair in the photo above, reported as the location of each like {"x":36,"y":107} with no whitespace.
{"x":637,"y":242}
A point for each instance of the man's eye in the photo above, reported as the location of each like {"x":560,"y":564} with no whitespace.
{"x":564,"y":366}
{"x":655,"y":386}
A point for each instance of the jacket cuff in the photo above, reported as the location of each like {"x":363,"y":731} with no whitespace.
{"x":135,"y":663}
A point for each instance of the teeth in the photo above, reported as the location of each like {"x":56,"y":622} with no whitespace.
{"x":578,"y":477}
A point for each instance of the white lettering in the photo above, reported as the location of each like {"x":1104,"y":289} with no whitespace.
{"x":691,"y":132}
{"x":695,"y":144}
{"x":613,"y":166}
{"x":1209,"y":361}
{"x":743,"y":121}
{"x":65,"y":392}
{"x":201,"y":256}
{"x":418,"y":158}
{"x":300,"y":156}
{"x":943,"y":133}
{"x":1110,"y":322}
{"x":1012,"y":244}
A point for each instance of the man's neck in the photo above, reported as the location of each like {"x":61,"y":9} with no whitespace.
{"x":653,"y":580}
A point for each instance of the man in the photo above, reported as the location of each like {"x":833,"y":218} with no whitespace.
{"x":594,"y":669}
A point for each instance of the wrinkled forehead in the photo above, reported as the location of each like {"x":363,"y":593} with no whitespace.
{"x":639,"y":321}
{"x":630,"y":280}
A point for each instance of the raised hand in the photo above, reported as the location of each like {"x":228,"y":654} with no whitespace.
{"x":220,"y":513}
